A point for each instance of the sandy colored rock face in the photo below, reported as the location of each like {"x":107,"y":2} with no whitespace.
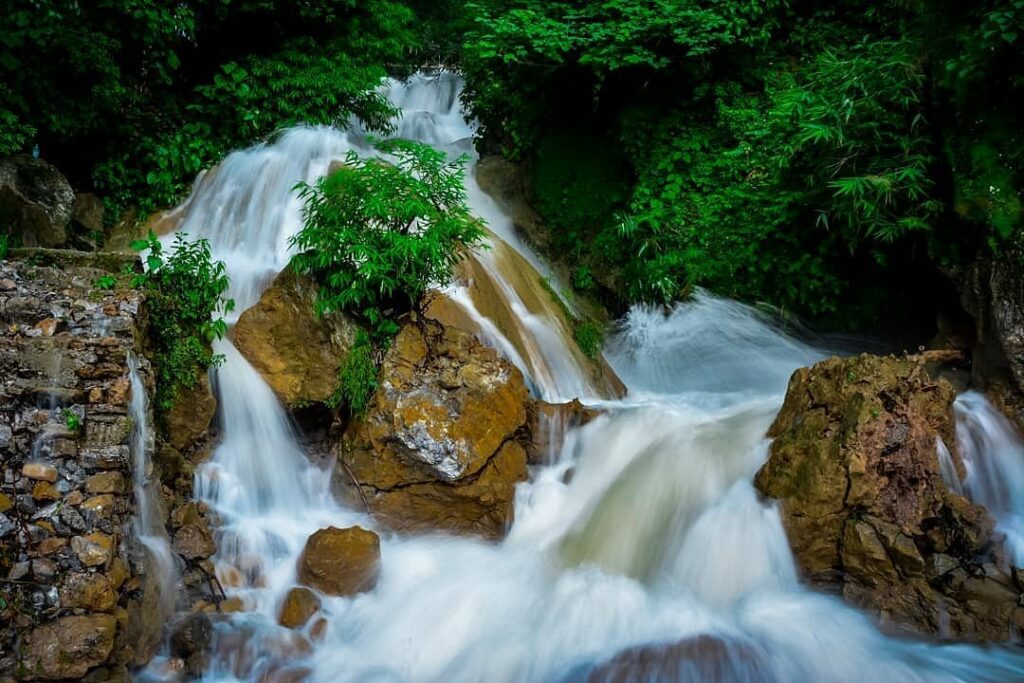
{"x":67,"y":648}
{"x":435,"y":450}
{"x":297,"y":353}
{"x":855,"y":466}
{"x":190,"y":417}
{"x":341,"y":561}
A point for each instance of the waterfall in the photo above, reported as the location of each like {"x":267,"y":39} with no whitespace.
{"x":993,"y":455}
{"x":643,"y":530}
{"x":162,"y":567}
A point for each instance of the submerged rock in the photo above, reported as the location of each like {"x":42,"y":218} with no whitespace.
{"x":300,"y":604}
{"x":702,"y":658}
{"x":340,"y":561}
{"x":867,"y":512}
{"x":36,"y":201}
{"x":435,"y":450}
{"x":296,"y":352}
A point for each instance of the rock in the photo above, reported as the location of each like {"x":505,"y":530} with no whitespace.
{"x":855,"y":467}
{"x":36,"y":201}
{"x":88,"y":591}
{"x":297,"y":352}
{"x":45,"y":491}
{"x":105,"y":482}
{"x":191,"y":636}
{"x":68,"y":647}
{"x":300,"y":604}
{"x":341,"y":561}
{"x":88,"y":212}
{"x":435,"y":449}
{"x":49,"y":326}
{"x":702,"y":658}
{"x":189,"y":418}
{"x":102,"y":505}
{"x":5,"y":503}
{"x":548,"y":425}
{"x":39,"y":471}
{"x":194,"y":541}
{"x":93,"y":550}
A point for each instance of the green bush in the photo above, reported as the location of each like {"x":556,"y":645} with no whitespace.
{"x":357,"y":378}
{"x":377,"y":234}
{"x":184,"y":292}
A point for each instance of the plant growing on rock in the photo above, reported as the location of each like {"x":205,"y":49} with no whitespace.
{"x":377,"y":234}
{"x":185,"y":294}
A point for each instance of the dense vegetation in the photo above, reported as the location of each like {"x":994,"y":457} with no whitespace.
{"x":820,"y":156}
{"x":184,"y":299}
{"x":377,"y":233}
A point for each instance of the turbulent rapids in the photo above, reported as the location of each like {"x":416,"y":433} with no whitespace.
{"x":643,"y":535}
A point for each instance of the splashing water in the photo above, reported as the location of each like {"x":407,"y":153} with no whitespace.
{"x":644,"y":529}
{"x":993,"y":455}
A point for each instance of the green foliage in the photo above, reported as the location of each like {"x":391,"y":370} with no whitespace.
{"x":357,"y":378}
{"x":184,"y":292}
{"x":590,"y":337}
{"x":4,"y":246}
{"x":105,"y":282}
{"x":378,"y":233}
{"x":71,"y":420}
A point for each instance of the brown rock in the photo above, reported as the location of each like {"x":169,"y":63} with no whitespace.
{"x":105,"y":482}
{"x":102,"y":505}
{"x":189,"y":418}
{"x":45,"y":491}
{"x":93,"y":550}
{"x":49,"y":326}
{"x":39,"y":471}
{"x":855,"y":466}
{"x":194,"y":541}
{"x":69,"y":647}
{"x":88,"y":212}
{"x":89,"y":591}
{"x":48,"y":546}
{"x":5,"y":503}
{"x":341,"y":561}
{"x":426,"y":455}
{"x":297,"y":352}
{"x":299,"y":605}
{"x":703,"y":658}
{"x":549,"y":423}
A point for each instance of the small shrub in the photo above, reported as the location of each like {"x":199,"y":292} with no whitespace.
{"x":185,"y":291}
{"x":357,"y":378}
{"x":105,"y":282}
{"x":71,"y":420}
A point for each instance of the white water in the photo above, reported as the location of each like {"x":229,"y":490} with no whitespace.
{"x":993,"y":455}
{"x":644,"y":529}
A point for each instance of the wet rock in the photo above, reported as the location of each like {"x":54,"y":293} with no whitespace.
{"x":44,"y":491}
{"x":67,"y":648}
{"x":90,"y":591}
{"x":297,"y":352}
{"x":105,"y":482}
{"x":703,"y":658}
{"x":93,"y":550}
{"x":435,"y":449}
{"x":190,"y":640}
{"x":548,"y":425}
{"x":39,"y":471}
{"x":300,"y":604}
{"x":194,"y":541}
{"x":36,"y":201}
{"x":340,"y":561}
{"x":855,"y":467}
{"x":88,"y":213}
{"x":189,"y":418}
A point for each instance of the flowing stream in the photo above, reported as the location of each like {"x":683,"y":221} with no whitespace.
{"x":644,"y":529}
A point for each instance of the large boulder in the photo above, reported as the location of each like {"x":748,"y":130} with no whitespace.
{"x":436,"y":449}
{"x":701,"y":658}
{"x":67,"y":648}
{"x":189,"y":419}
{"x":36,"y":201}
{"x":297,"y":352}
{"x":855,"y":467}
{"x":341,"y":561}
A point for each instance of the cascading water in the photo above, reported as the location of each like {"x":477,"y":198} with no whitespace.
{"x":644,"y":529}
{"x":993,"y":455}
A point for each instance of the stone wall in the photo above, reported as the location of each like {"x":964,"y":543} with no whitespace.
{"x":73,"y":600}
